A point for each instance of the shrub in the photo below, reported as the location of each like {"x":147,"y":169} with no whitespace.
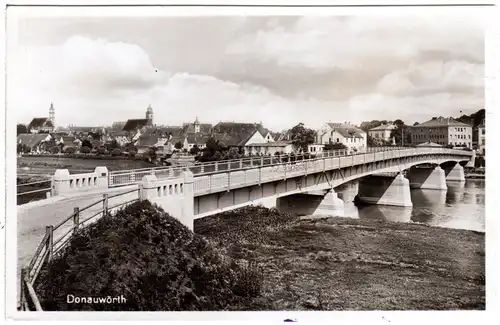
{"x":85,"y":150}
{"x":54,"y":150}
{"x":70,"y":150}
{"x":132,"y":153}
{"x":101,"y":150}
{"x":151,"y":259}
{"x":116,"y":152}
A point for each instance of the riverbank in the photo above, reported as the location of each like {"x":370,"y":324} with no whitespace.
{"x":48,"y":165}
{"x":352,"y":264}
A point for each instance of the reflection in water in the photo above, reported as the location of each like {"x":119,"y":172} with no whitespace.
{"x":461,"y":206}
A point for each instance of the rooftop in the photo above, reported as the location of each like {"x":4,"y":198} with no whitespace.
{"x":384,"y":127}
{"x":441,"y":121}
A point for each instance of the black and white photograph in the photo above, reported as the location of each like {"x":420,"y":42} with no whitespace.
{"x":172,"y":159}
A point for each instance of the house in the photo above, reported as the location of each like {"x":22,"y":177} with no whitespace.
{"x":270,"y":148}
{"x":68,"y":142}
{"x":347,"y":134}
{"x":33,"y":141}
{"x":196,"y":127}
{"x":238,"y":135}
{"x":196,"y":139}
{"x":169,"y":146}
{"x":481,"y":138}
{"x":41,"y":125}
{"x":382,"y":132}
{"x":121,"y":137}
{"x":443,"y":131}
{"x":145,"y":142}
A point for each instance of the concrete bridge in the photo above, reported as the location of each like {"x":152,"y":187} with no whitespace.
{"x":304,"y":186}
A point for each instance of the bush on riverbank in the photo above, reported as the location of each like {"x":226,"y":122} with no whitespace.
{"x":152,"y":260}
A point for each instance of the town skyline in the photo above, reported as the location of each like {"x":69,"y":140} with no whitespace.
{"x":58,"y":125}
{"x":278,"y":70}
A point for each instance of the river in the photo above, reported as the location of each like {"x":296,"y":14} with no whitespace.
{"x":462,"y":206}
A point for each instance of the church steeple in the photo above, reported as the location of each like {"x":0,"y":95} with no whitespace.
{"x":52,"y":115}
{"x":149,"y":115}
{"x":196,"y":125}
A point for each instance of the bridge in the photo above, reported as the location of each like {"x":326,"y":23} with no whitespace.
{"x":300,"y":184}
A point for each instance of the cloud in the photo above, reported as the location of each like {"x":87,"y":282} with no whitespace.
{"x":279,"y":70}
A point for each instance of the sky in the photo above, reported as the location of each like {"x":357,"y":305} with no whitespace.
{"x":278,"y":70}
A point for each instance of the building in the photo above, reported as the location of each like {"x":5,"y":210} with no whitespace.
{"x":196,"y":128}
{"x":135,"y":127}
{"x":382,"y":132}
{"x":239,"y":135}
{"x":34,"y":142}
{"x":481,"y":138}
{"x":43,"y":124}
{"x":347,"y":134}
{"x":443,"y":131}
{"x":270,"y":148}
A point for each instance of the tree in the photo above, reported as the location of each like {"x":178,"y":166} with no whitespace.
{"x":70,"y":150}
{"x":232,"y":154}
{"x":86,"y":143}
{"x":110,"y":146}
{"x":194,"y":150}
{"x":401,"y":130}
{"x":21,"y":129}
{"x":377,"y":142}
{"x":101,"y":150}
{"x":22,"y":148}
{"x":178,"y":145}
{"x":116,"y":152}
{"x":368,"y":125}
{"x":302,"y":136}
{"x":54,"y":150}
{"x":85,"y":149}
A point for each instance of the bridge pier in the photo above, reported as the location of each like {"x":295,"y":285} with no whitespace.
{"x":427,"y":178}
{"x":316,"y":203}
{"x":455,"y":173}
{"x":385,"y":190}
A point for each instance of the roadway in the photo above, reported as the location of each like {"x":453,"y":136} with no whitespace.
{"x":34,"y":216}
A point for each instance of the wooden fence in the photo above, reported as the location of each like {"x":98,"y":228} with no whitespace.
{"x":55,"y":239}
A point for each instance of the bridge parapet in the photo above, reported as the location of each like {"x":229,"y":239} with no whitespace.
{"x":64,"y":183}
{"x":174,"y":195}
{"x":251,"y":170}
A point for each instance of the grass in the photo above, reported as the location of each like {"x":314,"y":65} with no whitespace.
{"x":259,"y":259}
{"x":151,"y":259}
{"x":352,"y":264}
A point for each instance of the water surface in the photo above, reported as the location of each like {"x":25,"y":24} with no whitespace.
{"x":462,"y":206}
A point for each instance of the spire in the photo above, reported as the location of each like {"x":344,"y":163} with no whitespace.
{"x":196,"y":121}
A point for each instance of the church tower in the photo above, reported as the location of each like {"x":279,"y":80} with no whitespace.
{"x":52,"y":115}
{"x":196,"y":126}
{"x":149,"y":115}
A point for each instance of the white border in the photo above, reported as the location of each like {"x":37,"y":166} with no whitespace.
{"x":491,"y":89}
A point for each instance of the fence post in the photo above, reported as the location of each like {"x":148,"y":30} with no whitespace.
{"x":105,"y":205}
{"x":251,"y":162}
{"x":241,"y":163}
{"x":49,"y":230}
{"x":22,"y":293}
{"x":76,"y":218}
{"x":216,"y":166}
{"x":262,"y":161}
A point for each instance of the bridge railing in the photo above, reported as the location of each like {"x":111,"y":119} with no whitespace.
{"x":248,"y":176}
{"x":56,"y":239}
{"x":133,"y":176}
